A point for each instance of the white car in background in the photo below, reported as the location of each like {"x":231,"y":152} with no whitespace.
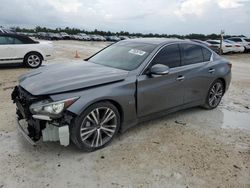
{"x":226,"y":47}
{"x":65,"y":36}
{"x":16,"y":48}
{"x":237,"y":47}
{"x":242,"y":40}
{"x":84,"y":36}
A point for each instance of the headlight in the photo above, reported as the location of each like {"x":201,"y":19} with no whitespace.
{"x":54,"y":109}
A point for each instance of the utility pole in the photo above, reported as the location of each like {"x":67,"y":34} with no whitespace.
{"x":221,"y":40}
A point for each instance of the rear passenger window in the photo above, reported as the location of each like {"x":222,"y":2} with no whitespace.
{"x":17,"y":41}
{"x":191,"y":54}
{"x":206,"y":54}
{"x":169,"y":55}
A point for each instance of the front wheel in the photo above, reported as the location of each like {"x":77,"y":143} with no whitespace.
{"x":96,"y":127}
{"x":33,"y":60}
{"x":215,"y":95}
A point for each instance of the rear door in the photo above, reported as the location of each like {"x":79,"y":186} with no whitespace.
{"x":158,"y":93}
{"x":198,"y":72}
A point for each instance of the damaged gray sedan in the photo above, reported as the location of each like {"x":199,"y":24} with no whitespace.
{"x":89,"y":102}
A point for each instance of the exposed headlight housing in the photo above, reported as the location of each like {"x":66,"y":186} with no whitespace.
{"x":51,"y":109}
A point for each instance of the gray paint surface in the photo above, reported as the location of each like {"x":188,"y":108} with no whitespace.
{"x":69,"y":76}
{"x":136,"y":94}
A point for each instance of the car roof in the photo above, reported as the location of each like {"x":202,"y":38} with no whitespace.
{"x":18,"y":36}
{"x":155,"y":41}
{"x":13,"y":35}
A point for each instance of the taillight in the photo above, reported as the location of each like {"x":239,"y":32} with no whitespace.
{"x":230,"y":65}
{"x":237,"y":46}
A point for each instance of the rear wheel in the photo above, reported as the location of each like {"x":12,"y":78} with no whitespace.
{"x":33,"y":60}
{"x":96,"y":127}
{"x":215,"y":95}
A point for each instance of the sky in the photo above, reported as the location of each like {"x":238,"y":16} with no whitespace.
{"x":144,"y":16}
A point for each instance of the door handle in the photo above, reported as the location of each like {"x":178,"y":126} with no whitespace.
{"x":211,"y":71}
{"x":180,"y":78}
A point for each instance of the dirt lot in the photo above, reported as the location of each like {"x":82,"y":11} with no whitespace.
{"x":191,"y":148}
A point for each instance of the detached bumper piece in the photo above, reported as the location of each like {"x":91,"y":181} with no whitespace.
{"x":24,"y":133}
{"x":38,"y":125}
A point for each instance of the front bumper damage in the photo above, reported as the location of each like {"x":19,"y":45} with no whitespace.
{"x":39,"y":126}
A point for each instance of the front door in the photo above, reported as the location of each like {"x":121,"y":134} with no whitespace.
{"x":157,"y":93}
{"x":5,"y":49}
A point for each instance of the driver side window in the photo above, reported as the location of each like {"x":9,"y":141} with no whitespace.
{"x":169,"y":56}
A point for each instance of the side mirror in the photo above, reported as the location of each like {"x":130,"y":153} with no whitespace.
{"x":159,"y":69}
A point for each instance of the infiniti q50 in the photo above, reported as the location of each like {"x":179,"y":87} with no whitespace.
{"x":90,"y":101}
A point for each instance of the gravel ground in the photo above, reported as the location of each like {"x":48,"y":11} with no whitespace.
{"x":191,"y":148}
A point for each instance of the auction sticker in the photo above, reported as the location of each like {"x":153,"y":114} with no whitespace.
{"x":137,"y":52}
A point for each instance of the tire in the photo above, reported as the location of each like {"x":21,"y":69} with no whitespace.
{"x":215,"y":94}
{"x":33,"y":60}
{"x":95,"y":127}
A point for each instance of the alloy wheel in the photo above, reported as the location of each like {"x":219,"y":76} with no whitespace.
{"x":98,"y":127}
{"x":215,"y":94}
{"x":34,"y":60}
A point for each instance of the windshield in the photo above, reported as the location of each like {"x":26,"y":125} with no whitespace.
{"x":123,"y":55}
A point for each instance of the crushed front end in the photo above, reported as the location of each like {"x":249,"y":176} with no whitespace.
{"x":44,"y":118}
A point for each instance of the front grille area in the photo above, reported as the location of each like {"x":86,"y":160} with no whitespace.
{"x":23,"y":99}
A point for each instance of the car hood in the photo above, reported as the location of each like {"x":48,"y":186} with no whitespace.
{"x":63,"y":77}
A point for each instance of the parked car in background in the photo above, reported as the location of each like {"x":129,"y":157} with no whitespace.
{"x":226,"y":47}
{"x":41,"y":35}
{"x":95,"y":38}
{"x":131,"y":81}
{"x":237,"y":47}
{"x":53,"y":36}
{"x":123,"y":37}
{"x":209,"y":45}
{"x":16,"y":48}
{"x":113,"y":38}
{"x":84,"y":36}
{"x":75,"y":37}
{"x":65,"y":36}
{"x":101,"y":38}
{"x":243,"y":41}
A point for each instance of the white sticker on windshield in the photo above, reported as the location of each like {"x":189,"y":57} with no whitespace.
{"x":137,"y":52}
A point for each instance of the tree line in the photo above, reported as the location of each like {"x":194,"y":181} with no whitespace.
{"x":73,"y":31}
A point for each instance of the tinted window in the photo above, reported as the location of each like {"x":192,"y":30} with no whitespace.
{"x":248,"y":40}
{"x":169,"y":55}
{"x":191,"y":54}
{"x":17,"y":41}
{"x":6,"y":40}
{"x":206,"y":54}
